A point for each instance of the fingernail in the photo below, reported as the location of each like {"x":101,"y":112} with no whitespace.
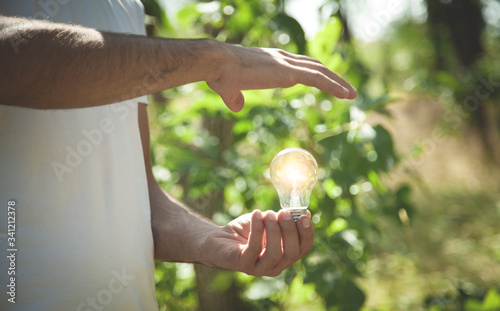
{"x":306,"y":222}
{"x":287,"y":215}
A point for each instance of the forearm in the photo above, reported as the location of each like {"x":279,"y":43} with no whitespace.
{"x":257,"y":243}
{"x":179,"y":234}
{"x":47,"y":65}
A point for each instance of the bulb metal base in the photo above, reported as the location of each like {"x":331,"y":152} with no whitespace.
{"x":297,"y":212}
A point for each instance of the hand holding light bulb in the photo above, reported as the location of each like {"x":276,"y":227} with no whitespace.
{"x":294,"y":172}
{"x":266,"y":243}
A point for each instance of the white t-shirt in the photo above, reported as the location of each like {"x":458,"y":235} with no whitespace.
{"x":75,"y":181}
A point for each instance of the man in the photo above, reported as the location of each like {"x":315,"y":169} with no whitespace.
{"x":76,"y":181}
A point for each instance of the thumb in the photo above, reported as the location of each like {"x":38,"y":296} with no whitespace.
{"x":233,"y":101}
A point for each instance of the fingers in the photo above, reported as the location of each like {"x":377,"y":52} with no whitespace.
{"x":306,"y":234}
{"x":272,"y":254}
{"x":311,"y":63}
{"x":319,"y":76}
{"x":297,"y":238}
{"x":234,"y":101}
{"x":291,"y":243}
{"x":258,"y":68}
{"x":285,"y":242}
{"x":250,"y":254}
{"x":317,"y":66}
{"x":321,"y":81}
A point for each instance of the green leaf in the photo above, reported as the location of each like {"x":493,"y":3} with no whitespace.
{"x":354,"y":297}
{"x":492,"y":300}
{"x":323,"y":45}
{"x":295,"y":30}
{"x":153,"y":8}
{"x":337,"y":225}
{"x":223,"y":281}
{"x":384,"y":146}
{"x":374,"y":179}
{"x":364,"y":134}
{"x":242,"y":18}
{"x":188,"y":15}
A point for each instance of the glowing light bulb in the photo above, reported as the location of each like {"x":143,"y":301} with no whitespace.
{"x":294,"y":172}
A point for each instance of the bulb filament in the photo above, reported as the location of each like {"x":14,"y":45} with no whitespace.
{"x":295,"y":199}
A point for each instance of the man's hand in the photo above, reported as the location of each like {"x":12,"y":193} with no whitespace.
{"x":65,"y":66}
{"x":243,"y":68}
{"x":260,"y":244}
{"x":256,"y":243}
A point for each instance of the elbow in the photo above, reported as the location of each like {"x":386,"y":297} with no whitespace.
{"x":10,"y":88}
{"x":11,"y":79}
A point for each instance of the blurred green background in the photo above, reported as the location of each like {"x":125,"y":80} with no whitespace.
{"x":407,"y":206}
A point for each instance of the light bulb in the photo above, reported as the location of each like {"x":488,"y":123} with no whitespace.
{"x":294,"y":172}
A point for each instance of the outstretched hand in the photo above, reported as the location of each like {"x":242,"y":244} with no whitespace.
{"x":261,"y":243}
{"x":247,"y":68}
{"x":113,"y":67}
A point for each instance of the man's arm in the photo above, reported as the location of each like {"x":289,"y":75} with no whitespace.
{"x":47,"y":65}
{"x":183,"y":236}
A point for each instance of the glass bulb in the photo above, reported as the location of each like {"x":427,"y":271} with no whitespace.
{"x":294,"y":172}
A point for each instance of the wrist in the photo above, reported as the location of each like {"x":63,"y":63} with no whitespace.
{"x":207,"y":248}
{"x":215,"y":54}
{"x":203,"y":59}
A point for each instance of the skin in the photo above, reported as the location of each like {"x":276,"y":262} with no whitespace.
{"x":84,"y":67}
{"x":237,"y":246}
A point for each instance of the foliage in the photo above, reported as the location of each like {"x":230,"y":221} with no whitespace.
{"x":193,"y":162}
{"x":491,"y":302}
{"x":201,"y":149}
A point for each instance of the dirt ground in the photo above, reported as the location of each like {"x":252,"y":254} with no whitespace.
{"x":436,"y":145}
{"x":454,"y":238}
